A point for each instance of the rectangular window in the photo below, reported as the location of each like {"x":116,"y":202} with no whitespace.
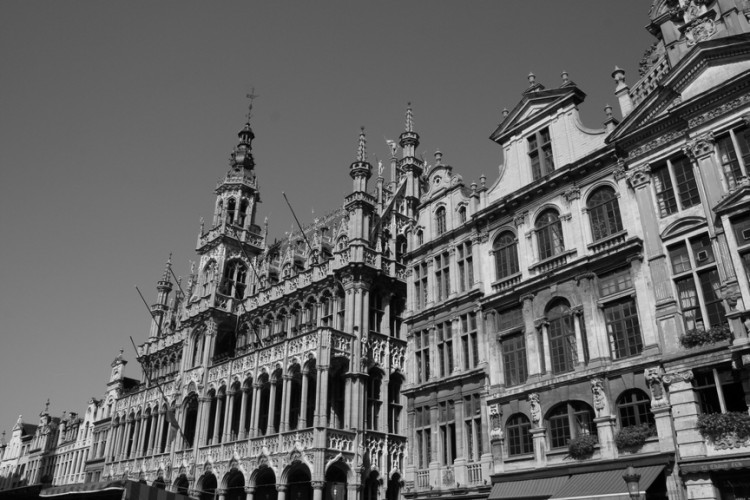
{"x":465,"y":264}
{"x":741,"y":227}
{"x":623,"y":328}
{"x":422,"y":350}
{"x":510,"y":318}
{"x":377,"y":312}
{"x":514,"y":359}
{"x":675,"y":175}
{"x":473,"y":427}
{"x":615,"y":281}
{"x":540,"y":154}
{"x":469,"y":340}
{"x":445,"y":348}
{"x":447,"y":429}
{"x":697,"y":283}
{"x":719,"y":390}
{"x":442,"y":276}
{"x":420,"y":285}
{"x":424,"y":437}
{"x":734,"y":154}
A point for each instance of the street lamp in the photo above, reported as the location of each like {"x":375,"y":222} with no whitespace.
{"x":631,"y":478}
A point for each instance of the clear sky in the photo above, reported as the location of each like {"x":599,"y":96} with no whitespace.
{"x":117,"y":119}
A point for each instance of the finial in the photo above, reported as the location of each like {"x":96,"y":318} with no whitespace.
{"x":438,"y":157}
{"x":19,"y":419}
{"x":505,"y":112}
{"x":167,"y":267}
{"x":362,"y":146}
{"x":483,"y":180}
{"x":203,"y":225}
{"x":532,"y":79}
{"x":564,"y":76}
{"x":46,"y":406}
{"x":251,"y":96}
{"x":409,"y":118}
{"x":618,"y":74}
{"x":608,"y":111}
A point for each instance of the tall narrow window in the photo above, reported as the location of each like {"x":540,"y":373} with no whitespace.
{"x":447,"y":429}
{"x":442,"y":276}
{"x":377,"y":311}
{"x":514,"y":359}
{"x":469,"y":340}
{"x":675,"y":175}
{"x":340,"y":309}
{"x":623,"y":328}
{"x":540,"y":154}
{"x":394,"y":404}
{"x":734,"y":154}
{"x":423,"y":443}
{"x":234,"y":282}
{"x":445,"y":348}
{"x":549,"y":234}
{"x":440,"y":224}
{"x":420,"y":285}
{"x":422,"y":350}
{"x":462,"y":214}
{"x":505,"y":248}
{"x":604,"y":213}
{"x":697,"y":283}
{"x":374,"y":383}
{"x":465,"y":264}
{"x":562,"y":338}
{"x":473,"y":427}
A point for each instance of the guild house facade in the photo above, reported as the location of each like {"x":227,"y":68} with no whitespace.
{"x":574,"y":327}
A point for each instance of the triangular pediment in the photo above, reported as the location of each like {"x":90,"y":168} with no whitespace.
{"x":736,"y":201}
{"x":535,"y":105}
{"x":711,"y":65}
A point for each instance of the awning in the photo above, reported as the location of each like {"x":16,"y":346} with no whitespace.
{"x":530,"y":488}
{"x":132,"y":491}
{"x":606,"y":483}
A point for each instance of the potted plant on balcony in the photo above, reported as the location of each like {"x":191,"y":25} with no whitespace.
{"x":633,"y":437}
{"x":725,"y":430}
{"x":582,"y":447}
{"x":701,"y":336}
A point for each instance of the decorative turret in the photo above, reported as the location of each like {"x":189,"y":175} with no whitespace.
{"x":361,"y":170}
{"x":410,"y":167}
{"x":242,"y":156}
{"x":159,"y":310}
{"x":409,"y":140}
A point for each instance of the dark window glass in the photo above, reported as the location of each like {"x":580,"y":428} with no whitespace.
{"x":549,"y":234}
{"x":514,"y":359}
{"x":634,"y":408}
{"x":505,"y":248}
{"x":664,"y":192}
{"x":615,"y":281}
{"x":519,"y":438}
{"x":604,"y":213}
{"x":562,"y":338}
{"x":623,"y":328}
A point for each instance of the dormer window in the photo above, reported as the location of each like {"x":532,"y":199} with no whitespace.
{"x":540,"y":154}
{"x":462,"y":214}
{"x":440,"y":220}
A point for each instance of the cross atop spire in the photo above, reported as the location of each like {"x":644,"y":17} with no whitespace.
{"x":251,"y":96}
{"x":362,"y":146}
{"x":409,"y":118}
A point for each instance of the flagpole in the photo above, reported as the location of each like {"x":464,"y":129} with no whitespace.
{"x":297,"y":221}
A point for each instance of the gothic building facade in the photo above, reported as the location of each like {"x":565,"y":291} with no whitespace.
{"x":575,"y":328}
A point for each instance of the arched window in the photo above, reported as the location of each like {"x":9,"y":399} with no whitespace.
{"x":235,"y":276}
{"x":604,"y":213}
{"x":462,"y":214}
{"x":634,"y":408}
{"x":567,"y":421}
{"x":440,"y":226}
{"x":191,"y":419}
{"x":549,"y":234}
{"x":518,"y":436}
{"x":420,"y":237}
{"x":505,"y":248}
{"x":562,"y":337}
{"x":197,"y":349}
{"x":243,"y":213}
{"x":231,"y":210}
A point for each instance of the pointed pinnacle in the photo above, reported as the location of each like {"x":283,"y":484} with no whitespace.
{"x":409,"y":118}
{"x":362,"y":146}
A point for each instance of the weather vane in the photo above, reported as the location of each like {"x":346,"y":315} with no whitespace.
{"x":252,"y":95}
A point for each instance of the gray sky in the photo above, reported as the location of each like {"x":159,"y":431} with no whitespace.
{"x":117,"y":119}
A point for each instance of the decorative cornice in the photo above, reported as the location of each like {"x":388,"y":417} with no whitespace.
{"x":639,"y":176}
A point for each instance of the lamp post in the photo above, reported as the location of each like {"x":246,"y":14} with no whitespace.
{"x":631,"y":478}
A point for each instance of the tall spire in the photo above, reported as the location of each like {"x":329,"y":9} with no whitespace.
{"x":242,"y":156}
{"x":362,"y":146}
{"x":167,"y":269}
{"x":409,"y":118}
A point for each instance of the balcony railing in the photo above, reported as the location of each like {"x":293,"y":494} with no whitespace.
{"x":423,"y":479}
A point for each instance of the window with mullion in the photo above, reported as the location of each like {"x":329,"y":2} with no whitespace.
{"x":518,"y":435}
{"x":549,"y":234}
{"x":665,"y":197}
{"x":469,"y":341}
{"x":505,"y":248}
{"x":734,"y":154}
{"x":445,"y":348}
{"x":675,"y":175}
{"x":634,"y":408}
{"x":465,"y":264}
{"x":423,"y":433}
{"x":540,"y":154}
{"x":623,"y":328}
{"x":562,"y":339}
{"x":440,"y":226}
{"x":447,"y":428}
{"x":422,"y":353}
{"x":473,"y":427}
{"x":442,"y":276}
{"x":604,"y":213}
{"x":514,"y":359}
{"x":686,"y":185}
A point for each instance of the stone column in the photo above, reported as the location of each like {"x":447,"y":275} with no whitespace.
{"x":150,"y":447}
{"x":322,"y":399}
{"x":302,"y":422}
{"x":577,"y":318}
{"x":661,"y":409}
{"x":317,"y":490}
{"x":217,"y":420}
{"x":541,"y":327}
{"x":203,"y":416}
{"x":349,"y":402}
{"x":539,"y":438}
{"x":249,"y":492}
{"x":241,"y":431}
{"x":271,"y":408}
{"x":228,"y":414}
{"x":281,"y":489}
{"x":221,"y":494}
{"x":284,"y":424}
{"x":533,"y":349}
{"x":686,"y":409}
{"x":255,"y":409}
{"x":160,"y":432}
{"x":136,"y":438}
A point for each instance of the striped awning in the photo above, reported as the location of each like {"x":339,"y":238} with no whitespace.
{"x":606,"y":483}
{"x":530,"y":488}
{"x":128,"y":490}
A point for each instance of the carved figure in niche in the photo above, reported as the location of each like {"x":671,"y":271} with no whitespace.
{"x":654,"y":382}
{"x":535,"y":408}
{"x":600,"y":398}
{"x":496,"y":430}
